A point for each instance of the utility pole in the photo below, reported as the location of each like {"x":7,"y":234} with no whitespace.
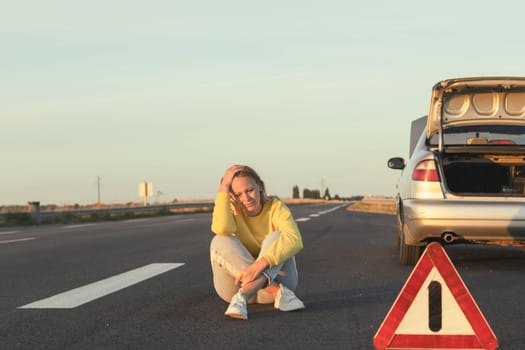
{"x":98,"y":191}
{"x":146,"y":194}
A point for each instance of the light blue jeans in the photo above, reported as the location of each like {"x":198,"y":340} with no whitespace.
{"x":228,"y":257}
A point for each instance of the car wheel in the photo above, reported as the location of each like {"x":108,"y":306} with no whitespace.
{"x":408,"y":254}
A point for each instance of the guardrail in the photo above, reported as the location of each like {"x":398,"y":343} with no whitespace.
{"x":36,"y":216}
{"x":138,"y":209}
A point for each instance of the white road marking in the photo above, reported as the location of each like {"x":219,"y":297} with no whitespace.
{"x":90,"y":292}
{"x":8,"y":232}
{"x":302,"y":219}
{"x":315,"y":215}
{"x":80,"y":225}
{"x":17,"y":240}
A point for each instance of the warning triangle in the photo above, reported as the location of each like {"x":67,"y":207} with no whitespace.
{"x":435,"y":310}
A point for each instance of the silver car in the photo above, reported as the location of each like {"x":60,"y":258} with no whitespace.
{"x":465,"y":179}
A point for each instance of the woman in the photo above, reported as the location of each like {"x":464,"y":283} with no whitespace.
{"x":252,"y":253}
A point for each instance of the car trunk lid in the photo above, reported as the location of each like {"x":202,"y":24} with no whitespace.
{"x":474,"y":102}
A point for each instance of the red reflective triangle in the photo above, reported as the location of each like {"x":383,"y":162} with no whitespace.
{"x":435,"y":256}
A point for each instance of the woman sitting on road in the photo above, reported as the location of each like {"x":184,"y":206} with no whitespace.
{"x":252,"y":254}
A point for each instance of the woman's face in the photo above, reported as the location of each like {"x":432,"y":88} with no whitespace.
{"x":248,"y":194}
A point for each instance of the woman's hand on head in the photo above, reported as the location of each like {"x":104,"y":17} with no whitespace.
{"x":227,"y":179}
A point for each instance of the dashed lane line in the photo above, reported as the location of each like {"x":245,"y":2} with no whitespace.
{"x":90,"y":292}
{"x":17,"y":240}
{"x":79,"y":225}
{"x":315,"y":215}
{"x":8,"y":232}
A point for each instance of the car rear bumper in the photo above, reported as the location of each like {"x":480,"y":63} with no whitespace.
{"x":471,"y":220}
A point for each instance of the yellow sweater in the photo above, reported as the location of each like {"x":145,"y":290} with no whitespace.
{"x":275,"y":216}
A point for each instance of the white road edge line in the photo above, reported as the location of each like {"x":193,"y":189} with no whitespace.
{"x":79,"y":296}
{"x":17,"y":240}
{"x":302,"y":219}
{"x":8,"y":232}
{"x":80,"y":225}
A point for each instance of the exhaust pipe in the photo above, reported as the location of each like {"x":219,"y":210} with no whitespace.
{"x":449,"y":237}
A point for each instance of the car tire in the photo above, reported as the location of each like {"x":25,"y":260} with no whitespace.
{"x":408,"y":254}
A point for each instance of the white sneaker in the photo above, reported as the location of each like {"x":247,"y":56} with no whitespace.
{"x":237,"y":308}
{"x":286,"y":300}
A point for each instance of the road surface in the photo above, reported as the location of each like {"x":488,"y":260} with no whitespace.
{"x":146,"y":284}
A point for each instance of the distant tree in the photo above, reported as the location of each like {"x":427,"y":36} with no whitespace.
{"x":326,"y":194}
{"x":312,"y":194}
{"x":295,"y":191}
{"x":307,"y":193}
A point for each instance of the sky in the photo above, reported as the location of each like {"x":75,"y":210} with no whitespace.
{"x":316,"y":94}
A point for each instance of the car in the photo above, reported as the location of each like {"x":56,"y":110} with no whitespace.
{"x":464,"y":181}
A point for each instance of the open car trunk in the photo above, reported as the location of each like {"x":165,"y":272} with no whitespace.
{"x":483,"y":175}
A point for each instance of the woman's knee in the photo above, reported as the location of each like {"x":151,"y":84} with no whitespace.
{"x":218,"y":242}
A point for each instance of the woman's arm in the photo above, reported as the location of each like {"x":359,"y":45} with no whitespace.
{"x":223,"y":221}
{"x":289,"y":242}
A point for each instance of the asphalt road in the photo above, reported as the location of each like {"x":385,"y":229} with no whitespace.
{"x":349,"y":279}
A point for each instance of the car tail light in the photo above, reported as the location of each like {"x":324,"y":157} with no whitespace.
{"x":425,"y":171}
{"x":502,"y":142}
